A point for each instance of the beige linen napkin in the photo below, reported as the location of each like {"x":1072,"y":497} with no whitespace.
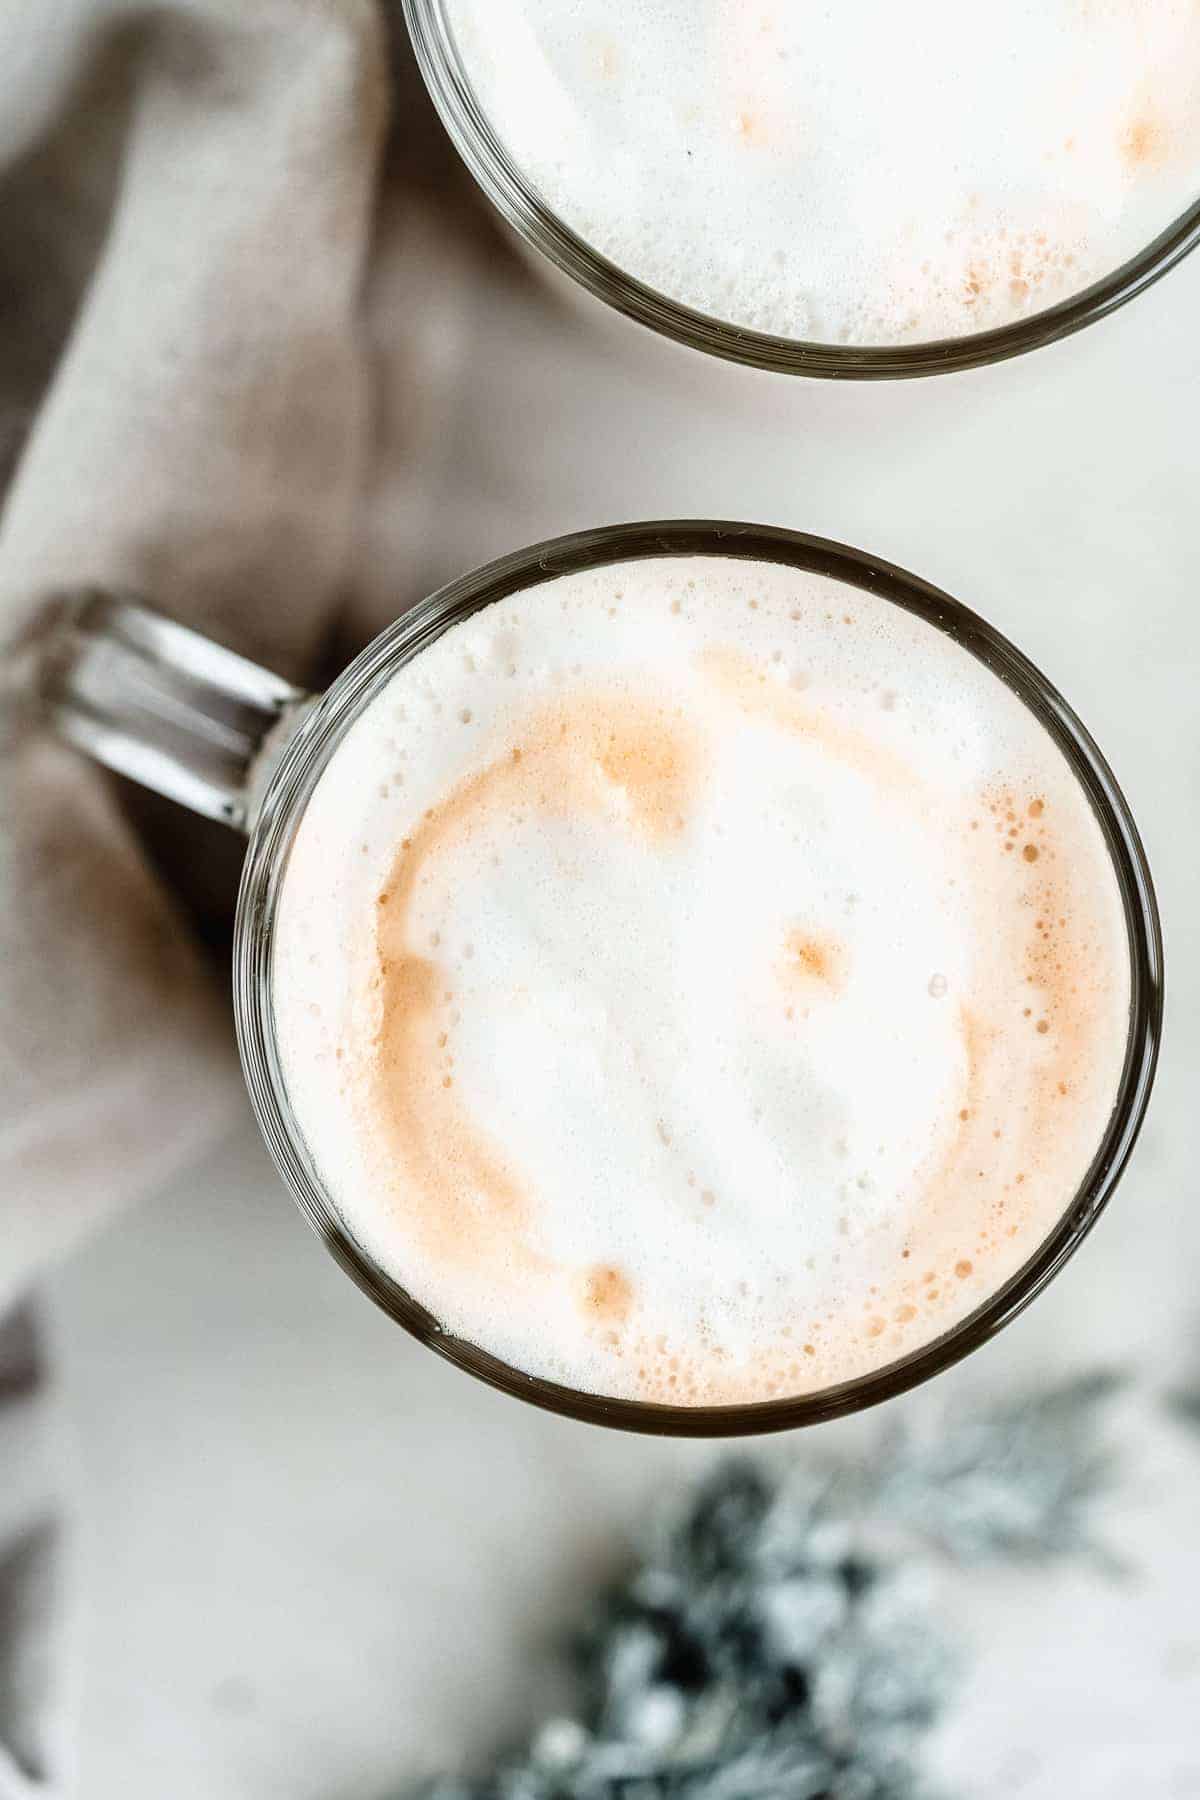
{"x":185,"y":200}
{"x":201,"y":440}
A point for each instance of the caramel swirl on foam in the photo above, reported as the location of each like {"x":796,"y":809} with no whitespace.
{"x":633,"y":767}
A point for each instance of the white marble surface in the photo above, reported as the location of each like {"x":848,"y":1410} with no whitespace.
{"x":314,"y":1560}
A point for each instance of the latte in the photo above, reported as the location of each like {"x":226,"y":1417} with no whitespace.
{"x":859,"y":173}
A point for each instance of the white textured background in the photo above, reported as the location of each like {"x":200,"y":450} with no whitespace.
{"x":315,"y":1561}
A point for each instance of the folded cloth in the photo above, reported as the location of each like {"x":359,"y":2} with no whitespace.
{"x":185,"y":201}
{"x":201,"y":441}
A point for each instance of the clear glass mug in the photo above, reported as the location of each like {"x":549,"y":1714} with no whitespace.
{"x":519,"y":203}
{"x":179,"y":714}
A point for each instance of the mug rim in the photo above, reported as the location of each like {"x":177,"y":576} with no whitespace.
{"x":517,"y":201}
{"x":323,"y":728}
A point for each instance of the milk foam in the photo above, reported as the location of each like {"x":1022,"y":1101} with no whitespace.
{"x":856,"y":173}
{"x":700,"y":981}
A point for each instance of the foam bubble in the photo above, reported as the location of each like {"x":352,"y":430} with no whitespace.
{"x":679,"y":1033}
{"x":860,"y":173}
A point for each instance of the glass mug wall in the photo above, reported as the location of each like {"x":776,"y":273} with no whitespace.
{"x":528,"y":85}
{"x":228,"y":739}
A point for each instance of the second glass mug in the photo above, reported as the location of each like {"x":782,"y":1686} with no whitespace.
{"x":522,"y":207}
{"x":232,"y":741}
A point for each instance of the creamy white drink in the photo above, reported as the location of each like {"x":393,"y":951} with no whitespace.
{"x":700,"y":981}
{"x":858,"y":173}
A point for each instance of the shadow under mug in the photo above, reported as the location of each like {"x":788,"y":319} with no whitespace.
{"x":179,"y":714}
{"x":520,"y":205}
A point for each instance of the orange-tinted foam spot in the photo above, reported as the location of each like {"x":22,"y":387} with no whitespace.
{"x":1144,"y":142}
{"x":749,"y":127}
{"x":649,"y":762}
{"x":607,"y":1294}
{"x":812,"y":958}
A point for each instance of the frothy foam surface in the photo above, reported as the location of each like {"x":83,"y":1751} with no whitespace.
{"x":700,"y":981}
{"x":859,"y":173}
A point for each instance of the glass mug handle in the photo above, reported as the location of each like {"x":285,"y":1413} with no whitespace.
{"x":164,"y":705}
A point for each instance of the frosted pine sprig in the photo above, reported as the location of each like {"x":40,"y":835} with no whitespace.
{"x":778,"y":1640}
